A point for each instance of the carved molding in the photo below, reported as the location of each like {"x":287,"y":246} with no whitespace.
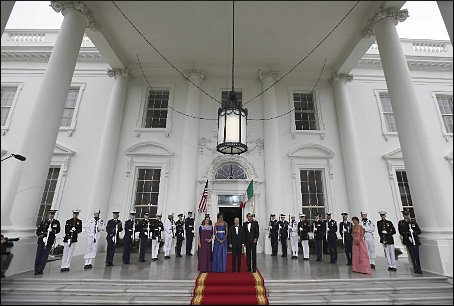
{"x":390,"y":158}
{"x":60,"y":6}
{"x":426,"y":65}
{"x":311,"y":151}
{"x":43,"y":56}
{"x":217,"y":162}
{"x":148,"y":149}
{"x":336,"y":77}
{"x":268,"y":74}
{"x":379,"y":15}
{"x":203,"y":144}
{"x":195,"y":74}
{"x":114,"y":73}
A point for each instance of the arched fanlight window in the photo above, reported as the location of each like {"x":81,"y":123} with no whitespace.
{"x":230,"y":171}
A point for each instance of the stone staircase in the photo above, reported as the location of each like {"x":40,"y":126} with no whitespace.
{"x":435,"y":290}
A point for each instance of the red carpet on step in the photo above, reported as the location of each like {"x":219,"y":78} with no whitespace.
{"x":230,"y":288}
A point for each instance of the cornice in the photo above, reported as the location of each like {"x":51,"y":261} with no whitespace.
{"x":381,"y":14}
{"x":43,"y":56}
{"x":413,"y":64}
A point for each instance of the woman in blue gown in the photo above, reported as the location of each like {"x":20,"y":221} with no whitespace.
{"x":220,"y":245}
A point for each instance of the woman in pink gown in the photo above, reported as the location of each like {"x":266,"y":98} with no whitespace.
{"x":360,"y":257}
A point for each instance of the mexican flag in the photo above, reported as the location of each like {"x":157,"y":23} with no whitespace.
{"x":248,"y":195}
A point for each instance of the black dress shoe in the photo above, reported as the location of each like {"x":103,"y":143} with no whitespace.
{"x":233,"y":270}
{"x":38,"y":272}
{"x":283,"y":255}
{"x":253,"y":271}
{"x":188,"y":254}
{"x":418,"y":271}
{"x":372,"y":266}
{"x":154,"y":259}
{"x":109,"y":264}
{"x":86,"y":267}
{"x":394,"y":269}
{"x":142,"y":260}
{"x":248,"y":270}
{"x":239,"y":271}
{"x":179,"y":255}
{"x":167,"y":257}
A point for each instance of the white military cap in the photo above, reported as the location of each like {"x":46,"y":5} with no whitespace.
{"x":382,"y":212}
{"x":302,"y":215}
{"x":76,"y":211}
{"x":132,"y":212}
{"x":329,"y":213}
{"x":97,"y":211}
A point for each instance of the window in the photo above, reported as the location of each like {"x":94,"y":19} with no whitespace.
{"x":313,"y":197}
{"x":230,"y":172}
{"x":305,"y":113}
{"x":147,"y":192}
{"x":156,"y":109}
{"x":48,"y":194}
{"x":8,"y":94}
{"x":388,"y":114}
{"x":404,"y":190}
{"x":70,"y":106}
{"x":225,"y":98}
{"x":444,"y":105}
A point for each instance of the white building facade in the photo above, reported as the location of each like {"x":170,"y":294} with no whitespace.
{"x":377,"y":136}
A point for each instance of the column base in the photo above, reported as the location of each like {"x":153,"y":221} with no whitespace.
{"x":436,"y":251}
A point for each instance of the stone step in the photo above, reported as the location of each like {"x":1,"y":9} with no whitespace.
{"x":362,"y":280}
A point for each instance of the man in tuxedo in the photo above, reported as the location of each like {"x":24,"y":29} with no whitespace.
{"x":251,"y":236}
{"x":236,"y":238}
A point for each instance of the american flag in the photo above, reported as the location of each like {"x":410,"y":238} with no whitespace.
{"x":203,"y":200}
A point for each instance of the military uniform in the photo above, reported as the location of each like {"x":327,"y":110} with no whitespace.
{"x":283,"y":234}
{"x":189,"y":231}
{"x":46,"y":233}
{"x":369,"y":229}
{"x":331,"y":234}
{"x":293,"y":234}
{"x":345,"y":230}
{"x":129,"y":237}
{"x":319,"y":228}
{"x":145,"y":233}
{"x":113,"y":228}
{"x":274,"y":235}
{"x":93,"y":231}
{"x":386,"y":231}
{"x":179,"y":233}
{"x":304,"y":228}
{"x":156,"y":228}
{"x":409,"y":230}
{"x":169,"y":235}
{"x":73,"y":227}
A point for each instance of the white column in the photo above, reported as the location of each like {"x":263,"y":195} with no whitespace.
{"x":108,"y":149}
{"x":433,"y":206}
{"x":272,"y":157}
{"x":189,"y":147}
{"x":22,"y":198}
{"x":445,"y":8}
{"x":350,"y":148}
{"x":7,"y":8}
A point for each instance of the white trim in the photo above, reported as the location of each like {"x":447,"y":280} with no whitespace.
{"x":384,"y":125}
{"x":61,"y":158}
{"x":19,"y":87}
{"x":318,"y":112}
{"x":434,"y":94}
{"x":155,"y":86}
{"x":70,"y":129}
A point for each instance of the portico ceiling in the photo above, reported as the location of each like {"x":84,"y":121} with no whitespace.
{"x":198,"y":34}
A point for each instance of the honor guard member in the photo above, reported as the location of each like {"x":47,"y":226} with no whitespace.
{"x":331,"y":234}
{"x":46,"y":233}
{"x":369,"y":229}
{"x":318,"y":228}
{"x":73,"y":227}
{"x":179,"y":232}
{"x":345,"y":230}
{"x":386,"y":230}
{"x":274,"y":234}
{"x":145,"y":234}
{"x":93,"y":231}
{"x":283,"y":234}
{"x":156,"y":227}
{"x":169,"y":235}
{"x":293,"y":234}
{"x":409,"y":230}
{"x":304,"y":228}
{"x":189,"y":229}
{"x":113,"y":228}
{"x":129,"y":237}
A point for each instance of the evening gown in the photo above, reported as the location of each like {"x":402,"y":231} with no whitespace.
{"x":205,"y":232}
{"x":220,"y":250}
{"x":360,"y":257}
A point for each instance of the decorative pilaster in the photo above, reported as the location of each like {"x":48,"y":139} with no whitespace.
{"x":391,"y":13}
{"x":61,"y":6}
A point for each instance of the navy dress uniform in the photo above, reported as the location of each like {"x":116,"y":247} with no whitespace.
{"x":409,"y":230}
{"x":113,"y":228}
{"x":293,"y":235}
{"x":283,"y":234}
{"x":129,"y":237}
{"x":169,"y":235}
{"x":274,"y":234}
{"x":318,"y":228}
{"x":156,"y":227}
{"x":386,"y":230}
{"x":331,"y":228}
{"x":93,"y":230}
{"x":73,"y":227}
{"x":144,"y":235}
{"x":46,"y":233}
{"x":369,"y":229}
{"x":345,"y":230}
{"x":179,"y":233}
{"x":189,"y":231}
{"x":304,"y":228}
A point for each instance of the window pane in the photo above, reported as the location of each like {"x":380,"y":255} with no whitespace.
{"x":147,"y":191}
{"x":156,"y":110}
{"x":312,"y":192}
{"x":404,"y":190}
{"x":48,"y":194}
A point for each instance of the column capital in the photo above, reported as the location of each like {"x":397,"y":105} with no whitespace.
{"x":114,"y":73}
{"x":60,"y":6}
{"x":336,"y":77}
{"x":268,"y":74}
{"x":198,"y":74}
{"x":381,"y":14}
